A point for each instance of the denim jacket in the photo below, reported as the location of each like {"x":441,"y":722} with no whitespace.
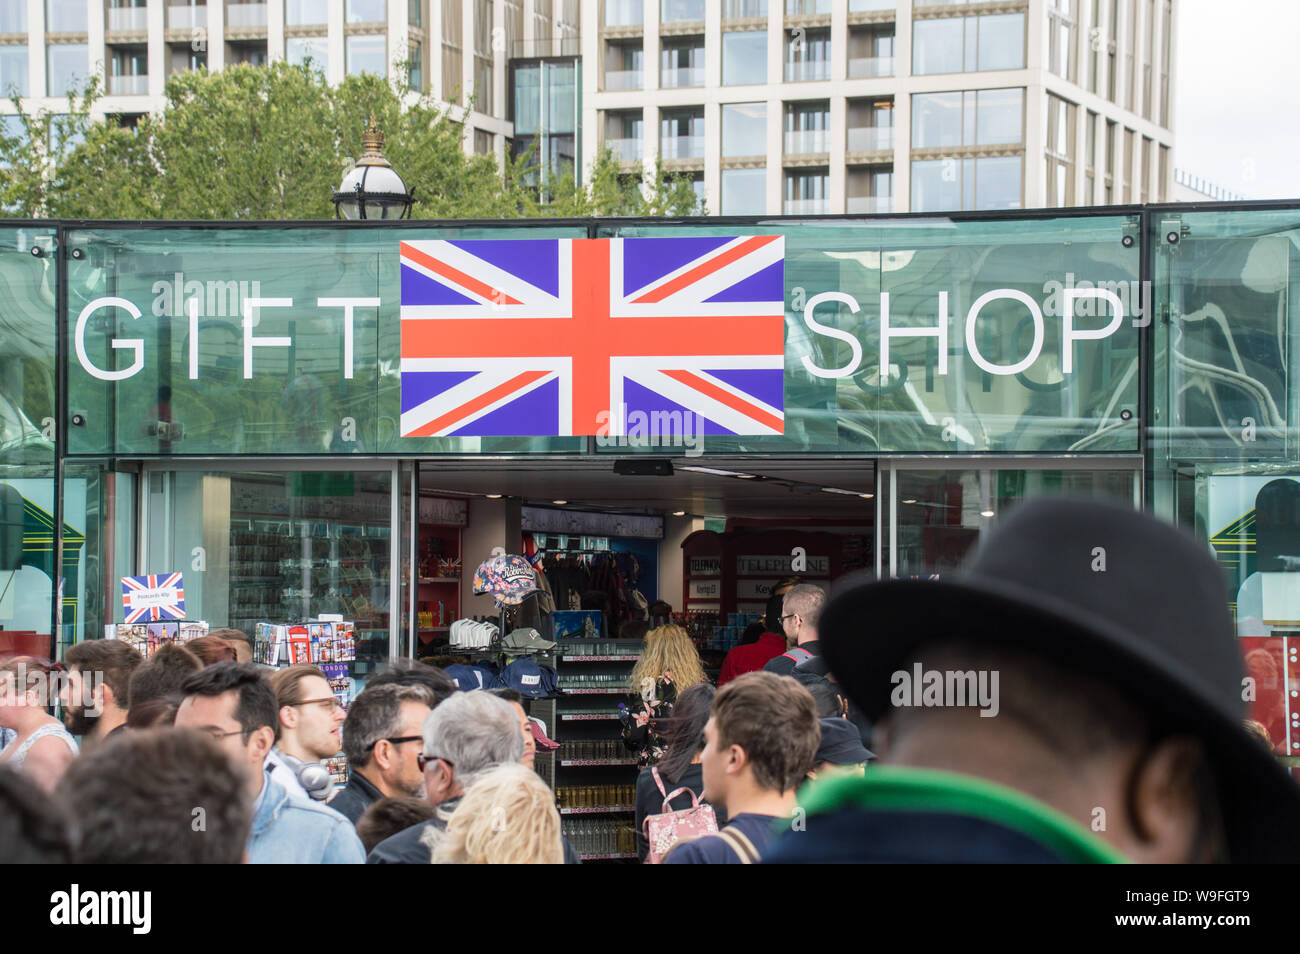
{"x":288,"y":830}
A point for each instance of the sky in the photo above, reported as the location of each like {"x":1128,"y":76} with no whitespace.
{"x":1237,"y":81}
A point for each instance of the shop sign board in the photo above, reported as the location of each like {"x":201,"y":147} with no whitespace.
{"x":153,"y":597}
{"x":705,"y":589}
{"x":705,"y":566}
{"x":444,"y":511}
{"x":809,"y":565}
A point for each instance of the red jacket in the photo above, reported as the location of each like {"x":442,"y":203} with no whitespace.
{"x":751,"y":658}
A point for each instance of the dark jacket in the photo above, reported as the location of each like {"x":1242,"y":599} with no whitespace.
{"x":646,"y":741}
{"x":783,"y":665}
{"x":650,"y":801}
{"x":355,"y":797}
{"x":407,"y":847}
{"x":922,"y":816}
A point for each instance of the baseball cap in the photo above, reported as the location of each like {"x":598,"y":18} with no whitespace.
{"x":841,"y":743}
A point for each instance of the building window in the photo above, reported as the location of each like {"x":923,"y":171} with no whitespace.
{"x":1149,"y":63}
{"x":312,"y":50}
{"x":681,"y":62}
{"x":805,"y":191}
{"x":681,"y":133}
{"x":619,"y":13}
{"x":968,"y":44}
{"x":744,"y":58}
{"x":128,"y":73}
{"x":1062,"y":50}
{"x":681,"y":11}
{"x":744,"y":191}
{"x":415,"y":12}
{"x":871,"y":52}
{"x":306,"y":12}
{"x":1112,"y":48}
{"x":68,"y":67}
{"x":483,"y":93}
{"x":1130,"y":50}
{"x":367,"y":53}
{"x":624,"y":64}
{"x":13,"y":17}
{"x":624,"y":134}
{"x":744,"y":9}
{"x":1090,"y":159}
{"x":13,"y":70}
{"x":1165,"y":27}
{"x":807,"y":128}
{"x":870,"y":189}
{"x":367,"y":11}
{"x":1164,"y":175}
{"x":1060,"y":152}
{"x":482,"y":142}
{"x":453,"y":82}
{"x":1095,"y":43}
{"x":947,"y":185}
{"x":1126,"y":170}
{"x":871,"y":125}
{"x":1145,"y":179}
{"x":415,"y":67}
{"x":744,"y":129}
{"x":807,"y":8}
{"x":985,"y":117}
{"x":64,"y":16}
{"x":1110,"y":162}
{"x":807,"y":55}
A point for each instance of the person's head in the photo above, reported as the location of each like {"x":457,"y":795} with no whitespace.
{"x":405,"y":672}
{"x":212,"y":649}
{"x":467,"y":734}
{"x":387,"y":816}
{"x":162,"y":673}
{"x":800,"y":613}
{"x":235,"y":705}
{"x":668,"y":650}
{"x":772,"y":614}
{"x":661,"y":613}
{"x":158,"y":712}
{"x":381,"y":737}
{"x":140,"y":798}
{"x":105,"y":667}
{"x":239,"y":640}
{"x":684,"y":732}
{"x":751,"y":634}
{"x":516,"y":700}
{"x":1259,"y":731}
{"x":24,"y":688}
{"x":760,"y":738}
{"x":786,"y":584}
{"x":1071,"y":740}
{"x":34,"y":828}
{"x":633,"y":629}
{"x":831,"y":703}
{"x":840,"y":751}
{"x":507,"y":817}
{"x":310,"y":715}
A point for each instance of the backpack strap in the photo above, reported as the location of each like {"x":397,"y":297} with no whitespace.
{"x":738,"y":842}
{"x":802,"y":657}
{"x":654,"y":772}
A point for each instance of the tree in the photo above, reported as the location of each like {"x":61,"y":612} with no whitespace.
{"x":274,"y":142}
{"x":31,"y":154}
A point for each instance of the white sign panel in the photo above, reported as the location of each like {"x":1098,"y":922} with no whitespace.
{"x":706,"y":566}
{"x":705,"y":589}
{"x":780,"y":563}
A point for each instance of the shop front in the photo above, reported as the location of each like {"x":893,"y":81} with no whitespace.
{"x":309,"y":421}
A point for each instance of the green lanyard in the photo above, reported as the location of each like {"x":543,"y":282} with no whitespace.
{"x":898,"y":788}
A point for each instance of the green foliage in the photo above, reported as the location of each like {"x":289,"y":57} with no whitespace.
{"x":274,"y":142}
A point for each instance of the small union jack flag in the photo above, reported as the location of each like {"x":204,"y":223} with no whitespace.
{"x":559,"y":337}
{"x":153,"y":597}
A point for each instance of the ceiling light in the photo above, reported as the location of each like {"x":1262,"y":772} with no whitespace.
{"x":745,"y":476}
{"x":679,"y":513}
{"x":986,"y":513}
{"x":493,"y":496}
{"x":559,"y":502}
{"x":711,"y":470}
{"x":910,"y":500}
{"x":866,"y":496}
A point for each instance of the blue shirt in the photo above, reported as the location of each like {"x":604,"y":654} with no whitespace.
{"x":291,"y":830}
{"x":713,"y":850}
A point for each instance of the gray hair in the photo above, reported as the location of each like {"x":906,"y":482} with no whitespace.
{"x":474,"y":731}
{"x":806,"y":600}
{"x":376,"y":714}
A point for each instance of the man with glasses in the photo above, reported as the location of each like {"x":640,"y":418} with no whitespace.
{"x":311,"y":718}
{"x":800,"y":612}
{"x":235,"y":705}
{"x":381,"y":739}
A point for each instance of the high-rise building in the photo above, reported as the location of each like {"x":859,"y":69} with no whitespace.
{"x":772,"y":106}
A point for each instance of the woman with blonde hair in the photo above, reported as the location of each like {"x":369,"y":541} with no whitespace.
{"x":669,"y":665}
{"x":507,"y":817}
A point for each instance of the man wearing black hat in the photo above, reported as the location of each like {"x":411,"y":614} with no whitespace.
{"x":1075,"y":695}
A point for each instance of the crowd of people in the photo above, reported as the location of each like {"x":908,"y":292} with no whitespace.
{"x":1114,"y":731}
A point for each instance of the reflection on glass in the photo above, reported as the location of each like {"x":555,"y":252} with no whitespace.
{"x":68,"y":67}
{"x":744,"y":191}
{"x":744,"y":129}
{"x":365,"y":54}
{"x":744,"y":58}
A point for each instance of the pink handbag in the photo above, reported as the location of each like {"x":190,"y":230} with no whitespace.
{"x":669,"y":829}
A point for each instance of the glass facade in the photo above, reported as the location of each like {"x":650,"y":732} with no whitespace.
{"x":301,"y":49}
{"x":968,"y":44}
{"x":366,"y":54}
{"x":13,"y":71}
{"x":744,"y":58}
{"x":68,"y":67}
{"x":744,"y":129}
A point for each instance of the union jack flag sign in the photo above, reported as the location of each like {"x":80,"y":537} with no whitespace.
{"x":153,"y":597}
{"x":560,"y":337}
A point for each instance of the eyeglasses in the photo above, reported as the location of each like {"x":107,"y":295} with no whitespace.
{"x":424,"y":760}
{"x":396,"y":741}
{"x":331,"y":701}
{"x":782,"y":619}
{"x":218,"y":736}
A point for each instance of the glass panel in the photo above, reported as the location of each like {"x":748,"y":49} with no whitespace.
{"x":367,"y":11}
{"x":69,"y":68}
{"x":676,"y":11}
{"x":279,"y":547}
{"x":744,"y":129}
{"x":291,"y":381}
{"x":13,"y":18}
{"x":1000,"y":116}
{"x":942,"y":513}
{"x":1019,"y":389}
{"x":936,"y":120}
{"x":65,"y":16}
{"x":366,"y":55}
{"x":937,"y":46}
{"x":744,"y":58}
{"x":997,"y":182}
{"x":303,"y":49}
{"x":1001,"y":41}
{"x":743,"y":9}
{"x":624,"y":13}
{"x":307,"y":12}
{"x":744,"y":191}
{"x":13,"y":70}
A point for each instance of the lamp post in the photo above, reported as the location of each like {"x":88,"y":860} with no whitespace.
{"x":372,"y":189}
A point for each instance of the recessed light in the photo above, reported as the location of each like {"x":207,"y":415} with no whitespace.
{"x":493,"y":496}
{"x":745,"y":476}
{"x":559,"y":502}
{"x":866,"y":496}
{"x":986,"y":513}
{"x":679,"y":513}
{"x":910,"y":500}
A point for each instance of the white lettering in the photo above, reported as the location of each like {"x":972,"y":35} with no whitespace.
{"x":973,"y":315}
{"x":347,"y":304}
{"x":250,"y":342}
{"x":940,"y":332}
{"x":132,"y":344}
{"x":816,"y":327}
{"x":1069,"y":336}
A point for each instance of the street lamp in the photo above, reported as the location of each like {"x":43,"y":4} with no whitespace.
{"x":371,"y":189}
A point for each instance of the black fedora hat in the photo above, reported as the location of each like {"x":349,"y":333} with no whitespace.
{"x":1098,"y":589}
